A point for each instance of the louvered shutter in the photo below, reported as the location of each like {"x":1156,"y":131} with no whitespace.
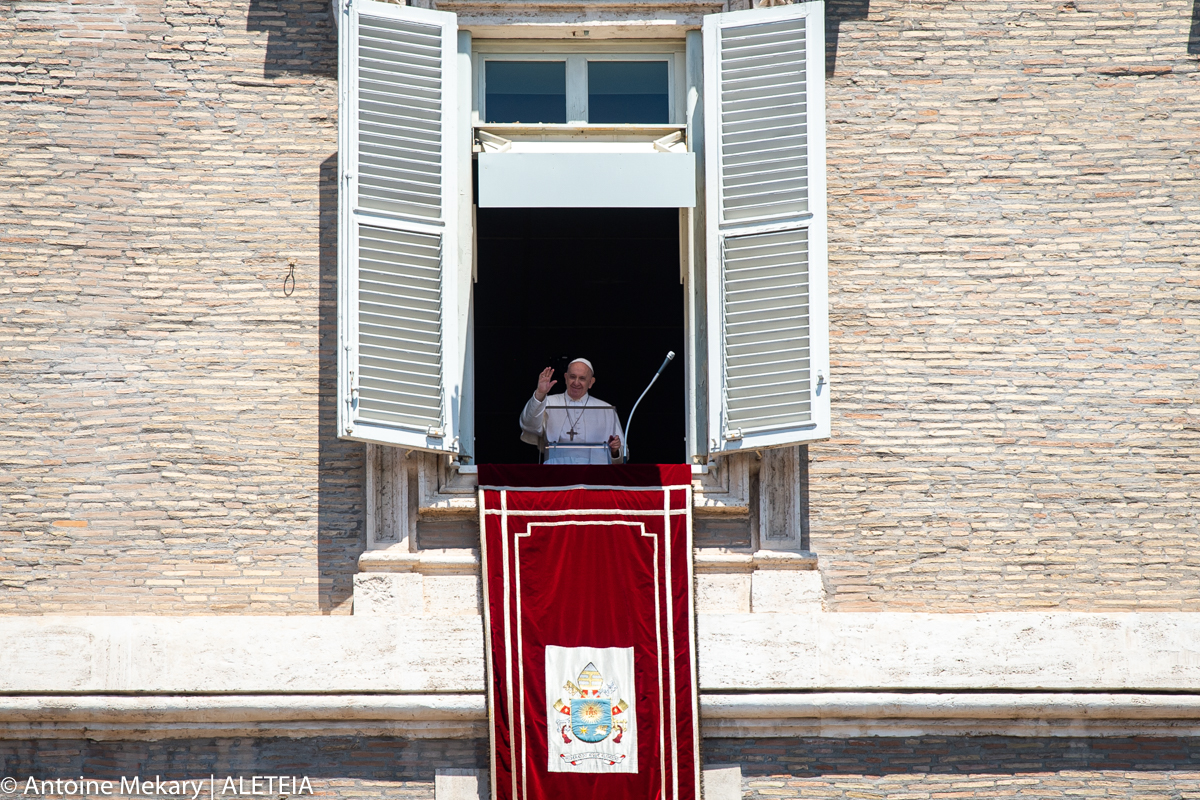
{"x":768,"y":326}
{"x":400,"y":352}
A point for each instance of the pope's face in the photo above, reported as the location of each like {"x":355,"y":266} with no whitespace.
{"x":579,"y":380}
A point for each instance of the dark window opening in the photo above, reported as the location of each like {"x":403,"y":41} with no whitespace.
{"x":598,"y":283}
{"x":526,"y":91}
{"x":628,"y":91}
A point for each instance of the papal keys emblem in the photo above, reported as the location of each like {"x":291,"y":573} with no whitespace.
{"x":594,"y":708}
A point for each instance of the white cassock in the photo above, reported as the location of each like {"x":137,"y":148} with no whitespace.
{"x":552,"y":420}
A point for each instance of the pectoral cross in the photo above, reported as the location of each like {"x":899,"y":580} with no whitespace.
{"x":572,"y":433}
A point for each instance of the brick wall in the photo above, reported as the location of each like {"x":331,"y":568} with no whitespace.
{"x":1014,"y":200}
{"x":350,"y":767}
{"x":962,"y":768}
{"x":165,"y":403}
{"x":881,"y":768}
{"x":1015,"y":269}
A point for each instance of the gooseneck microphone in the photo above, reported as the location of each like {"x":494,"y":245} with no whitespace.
{"x":629,"y":421}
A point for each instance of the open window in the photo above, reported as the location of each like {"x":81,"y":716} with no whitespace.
{"x":740,"y":156}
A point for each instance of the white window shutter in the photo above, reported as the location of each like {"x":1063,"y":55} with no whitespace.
{"x":768,"y":317}
{"x":400,"y":355}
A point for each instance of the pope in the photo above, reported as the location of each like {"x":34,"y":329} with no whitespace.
{"x":553,"y":422}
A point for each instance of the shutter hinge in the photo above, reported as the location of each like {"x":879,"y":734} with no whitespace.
{"x":435,"y":433}
{"x":734,"y":435}
{"x":350,"y":403}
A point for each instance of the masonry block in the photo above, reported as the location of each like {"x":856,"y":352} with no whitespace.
{"x":399,"y":593}
{"x":461,"y":784}
{"x":723,"y":593}
{"x":721,"y":782}
{"x":786,"y":591}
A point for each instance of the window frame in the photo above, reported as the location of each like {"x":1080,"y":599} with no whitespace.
{"x":701,"y":227}
{"x":576,"y":56}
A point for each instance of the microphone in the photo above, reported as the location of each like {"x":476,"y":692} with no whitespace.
{"x":670,"y":357}
{"x":629,"y":421}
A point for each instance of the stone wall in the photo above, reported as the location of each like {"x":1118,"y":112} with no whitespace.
{"x":350,"y":767}
{"x":1014,"y":240}
{"x":992,"y":767}
{"x":961,"y":767}
{"x":166,"y":399}
{"x":1014,"y":218}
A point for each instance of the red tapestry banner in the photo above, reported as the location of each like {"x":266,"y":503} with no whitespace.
{"x":587,"y":577}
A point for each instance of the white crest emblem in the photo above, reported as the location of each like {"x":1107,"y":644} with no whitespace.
{"x":589,"y":709}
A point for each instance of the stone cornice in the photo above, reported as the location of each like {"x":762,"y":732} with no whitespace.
{"x":459,"y":716}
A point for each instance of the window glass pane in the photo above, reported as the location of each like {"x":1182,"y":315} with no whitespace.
{"x":526,"y":91}
{"x":628,"y":91}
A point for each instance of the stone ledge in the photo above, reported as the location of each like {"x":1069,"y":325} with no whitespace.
{"x":718,"y":511}
{"x":426,"y":562}
{"x":465,"y":562}
{"x":853,"y":714}
{"x":464,"y":716}
{"x":453,"y":716}
{"x":717,"y":561}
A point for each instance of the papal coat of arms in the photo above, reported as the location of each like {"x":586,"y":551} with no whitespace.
{"x":590,"y":709}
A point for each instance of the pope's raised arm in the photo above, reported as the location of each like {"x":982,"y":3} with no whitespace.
{"x":533,"y":416}
{"x":545,"y":384}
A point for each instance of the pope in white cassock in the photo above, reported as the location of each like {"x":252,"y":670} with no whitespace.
{"x":574,"y":416}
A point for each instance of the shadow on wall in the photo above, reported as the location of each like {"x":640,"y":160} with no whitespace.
{"x":837,"y":12}
{"x":1194,"y":34}
{"x":302,"y":40}
{"x":341,"y":475}
{"x":301,"y":36}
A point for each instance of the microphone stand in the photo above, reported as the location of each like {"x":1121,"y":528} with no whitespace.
{"x":629,"y":420}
